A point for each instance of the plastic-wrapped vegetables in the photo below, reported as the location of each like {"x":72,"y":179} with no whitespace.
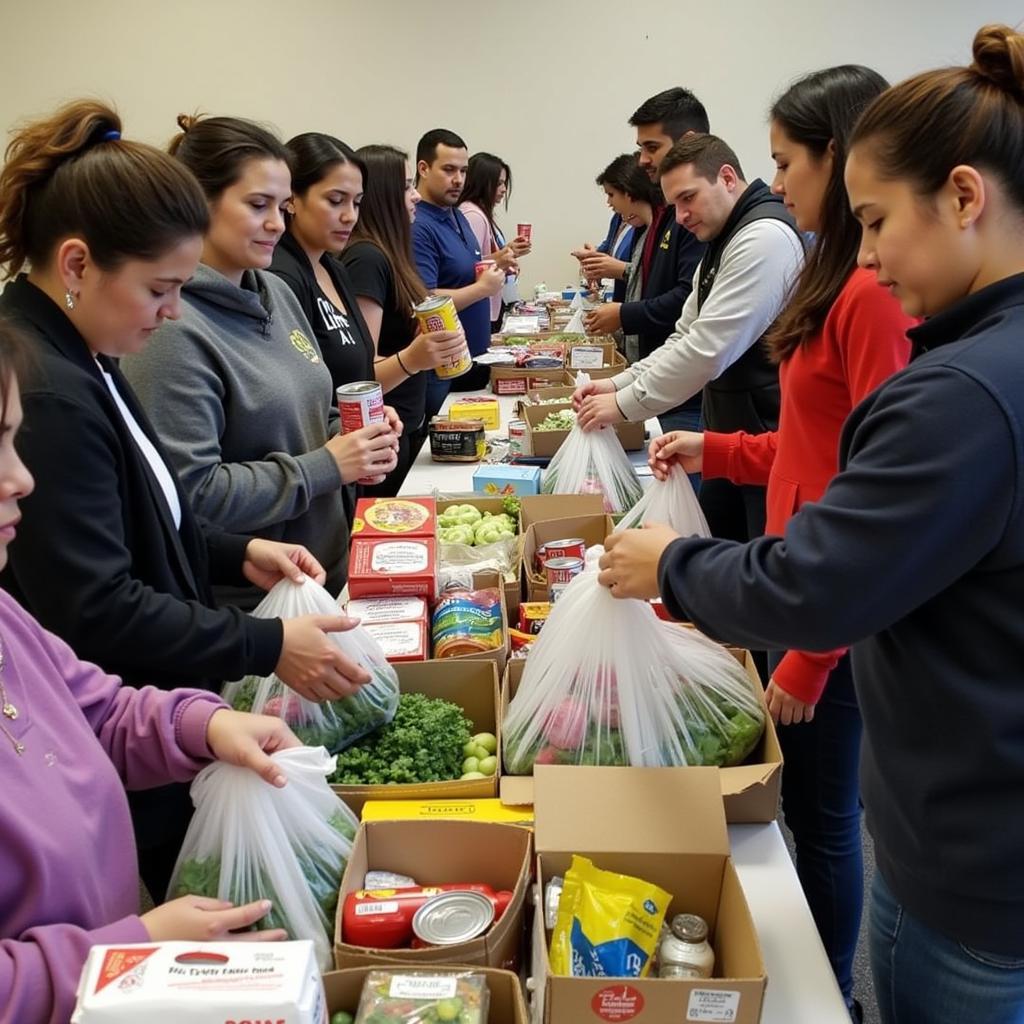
{"x":594,"y":462}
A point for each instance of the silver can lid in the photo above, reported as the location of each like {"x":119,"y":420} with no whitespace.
{"x":452,"y":917}
{"x":689,"y":927}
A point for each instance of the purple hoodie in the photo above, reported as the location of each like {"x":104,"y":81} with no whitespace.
{"x":68,"y":871}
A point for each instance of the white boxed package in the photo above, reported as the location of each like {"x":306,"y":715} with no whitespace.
{"x":201,"y":983}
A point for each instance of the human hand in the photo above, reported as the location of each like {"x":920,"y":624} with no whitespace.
{"x":605,"y":319}
{"x":594,"y":387}
{"x":599,"y":411}
{"x":269,"y":561}
{"x":520,"y":246}
{"x":436,"y":348}
{"x":314,"y":667}
{"x":599,"y":265}
{"x":392,"y":418}
{"x":504,"y":257}
{"x":786,"y":709}
{"x":364,"y":453}
{"x":492,"y":280}
{"x":581,"y":254}
{"x":629,"y":565}
{"x":245,"y":740}
{"x":201,"y":919}
{"x":685,"y":447}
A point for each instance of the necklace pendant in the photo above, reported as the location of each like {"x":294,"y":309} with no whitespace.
{"x":9,"y":710}
{"x":19,"y":749}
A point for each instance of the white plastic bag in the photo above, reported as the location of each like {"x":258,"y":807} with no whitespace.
{"x":670,"y":502}
{"x":594,"y":462}
{"x":607,"y":682}
{"x":249,"y":840}
{"x":577,"y":302}
{"x":334,"y":724}
{"x":575,"y":325}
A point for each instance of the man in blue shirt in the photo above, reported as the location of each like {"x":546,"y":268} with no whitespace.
{"x":446,"y":250}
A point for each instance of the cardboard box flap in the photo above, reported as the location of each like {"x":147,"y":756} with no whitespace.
{"x":538,"y":507}
{"x":628,"y":810}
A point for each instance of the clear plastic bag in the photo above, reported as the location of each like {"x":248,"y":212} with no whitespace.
{"x":423,"y":997}
{"x":607,"y":682}
{"x":334,"y":724}
{"x":575,"y":325}
{"x":594,"y":462}
{"x":249,"y":840}
{"x":670,"y":502}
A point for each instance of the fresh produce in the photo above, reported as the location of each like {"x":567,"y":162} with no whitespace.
{"x":481,"y":760}
{"x":342,"y":1017}
{"x":466,"y":524}
{"x":423,"y":743}
{"x":594,"y":462}
{"x":564,"y":419}
{"x":390,"y":997}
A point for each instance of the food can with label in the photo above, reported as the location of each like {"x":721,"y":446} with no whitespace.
{"x":437,"y":313}
{"x":560,"y":572}
{"x":453,"y":917}
{"x":525,"y":231}
{"x":457,"y":441}
{"x":483,"y":265}
{"x":360,"y":404}
{"x":517,"y":437}
{"x":568,"y":547}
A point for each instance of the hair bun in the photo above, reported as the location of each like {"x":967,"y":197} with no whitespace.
{"x":999,"y":58}
{"x":187,"y":121}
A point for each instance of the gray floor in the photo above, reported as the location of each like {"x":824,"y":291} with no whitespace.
{"x":863,"y":988}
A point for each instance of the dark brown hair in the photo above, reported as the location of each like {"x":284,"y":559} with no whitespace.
{"x":625,"y":174}
{"x":919,"y":130}
{"x":15,"y":361}
{"x":708,"y":154}
{"x":817,"y":111}
{"x":216,"y":149}
{"x":677,"y":110}
{"x":72,"y":174}
{"x":384,"y":220}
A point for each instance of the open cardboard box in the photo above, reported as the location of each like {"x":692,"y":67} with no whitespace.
{"x":473,"y":685}
{"x":547,"y":442}
{"x":666,"y":826}
{"x":343,"y":989}
{"x":592,"y":529}
{"x":750,"y":791}
{"x":613,"y":368}
{"x":536,"y":508}
{"x":443,"y":853}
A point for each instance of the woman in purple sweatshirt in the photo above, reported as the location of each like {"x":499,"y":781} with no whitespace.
{"x":72,"y":739}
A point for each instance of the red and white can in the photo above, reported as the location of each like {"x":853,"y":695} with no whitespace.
{"x":517,"y":437}
{"x":560,"y":572}
{"x":483,"y":265}
{"x":570,"y":547}
{"x":525,"y":231}
{"x":360,"y":404}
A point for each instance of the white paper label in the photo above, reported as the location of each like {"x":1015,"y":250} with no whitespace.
{"x":713,"y":1005}
{"x":401,"y":556}
{"x":384,"y":907}
{"x":586,"y":357}
{"x":388,"y":609}
{"x":417,"y":986}
{"x":397,"y":638}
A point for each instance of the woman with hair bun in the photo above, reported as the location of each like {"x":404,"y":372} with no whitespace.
{"x":111,"y":557}
{"x":914,"y":555}
{"x":237,"y":386}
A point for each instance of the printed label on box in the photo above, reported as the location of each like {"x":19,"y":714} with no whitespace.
{"x":586,"y":357}
{"x":402,"y":556}
{"x":398,"y":639}
{"x":617,"y":1003}
{"x":372,"y":610}
{"x":713,"y":1005}
{"x":421,"y":986}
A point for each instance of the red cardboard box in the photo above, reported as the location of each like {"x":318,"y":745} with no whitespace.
{"x":380,"y":567}
{"x":395,"y":517}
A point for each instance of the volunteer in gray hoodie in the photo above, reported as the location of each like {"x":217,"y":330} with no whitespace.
{"x":237,"y":387}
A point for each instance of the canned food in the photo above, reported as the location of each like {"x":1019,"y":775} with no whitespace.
{"x":453,"y":917}
{"x":457,"y":441}
{"x":525,"y":231}
{"x":569,"y":547}
{"x":437,"y":313}
{"x":483,"y":265}
{"x":517,"y":437}
{"x":360,"y":404}
{"x":560,"y":572}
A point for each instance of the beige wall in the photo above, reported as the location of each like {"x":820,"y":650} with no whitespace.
{"x":549,"y":86}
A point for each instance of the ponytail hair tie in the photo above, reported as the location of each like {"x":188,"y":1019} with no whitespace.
{"x":111,"y":136}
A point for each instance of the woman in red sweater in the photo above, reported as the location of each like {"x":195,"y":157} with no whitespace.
{"x":839,"y":338}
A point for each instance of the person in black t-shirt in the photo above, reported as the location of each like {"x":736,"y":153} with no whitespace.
{"x":387,"y":285}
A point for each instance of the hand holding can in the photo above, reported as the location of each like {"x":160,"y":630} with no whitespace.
{"x":437,"y":313}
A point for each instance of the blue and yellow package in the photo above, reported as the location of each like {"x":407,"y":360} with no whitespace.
{"x":608,"y":924}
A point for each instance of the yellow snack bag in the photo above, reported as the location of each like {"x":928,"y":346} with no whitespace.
{"x":608,"y":924}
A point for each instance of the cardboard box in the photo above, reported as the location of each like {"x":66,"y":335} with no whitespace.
{"x":547,"y":442}
{"x":401,"y":641}
{"x":373,"y":611}
{"x":384,"y":567}
{"x":394,"y":517}
{"x":614,"y":367}
{"x":492,"y":810}
{"x":515,"y":380}
{"x":536,"y":508}
{"x":666,"y":826}
{"x":750,"y":791}
{"x":343,"y":989}
{"x":442,"y":853}
{"x":473,"y":685}
{"x":593,"y":529}
{"x":504,"y":479}
{"x":476,"y":407}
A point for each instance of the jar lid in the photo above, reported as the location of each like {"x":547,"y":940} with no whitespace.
{"x":689,"y":927}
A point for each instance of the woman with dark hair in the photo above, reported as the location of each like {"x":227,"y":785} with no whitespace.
{"x":111,"y":557}
{"x":488,"y":183}
{"x":915,"y":552}
{"x":237,"y":387}
{"x":378,"y":259}
{"x":839,"y":337}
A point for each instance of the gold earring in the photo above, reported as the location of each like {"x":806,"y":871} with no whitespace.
{"x":69,"y":298}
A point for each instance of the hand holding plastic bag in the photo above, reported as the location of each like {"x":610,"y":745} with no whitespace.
{"x":594,"y":462}
{"x":334,"y":724}
{"x":609,"y":683}
{"x":670,"y":502}
{"x":251,"y":841}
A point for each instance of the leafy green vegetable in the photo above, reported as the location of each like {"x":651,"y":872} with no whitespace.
{"x":485,"y":529}
{"x":422,"y":744}
{"x":456,"y":515}
{"x":512,"y":506}
{"x":564,"y":419}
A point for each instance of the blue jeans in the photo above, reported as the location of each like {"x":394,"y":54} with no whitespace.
{"x":923,"y":977}
{"x":821,"y":804}
{"x":683,"y":419}
{"x":437,"y":392}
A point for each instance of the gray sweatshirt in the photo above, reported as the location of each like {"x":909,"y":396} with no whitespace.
{"x":243,"y":402}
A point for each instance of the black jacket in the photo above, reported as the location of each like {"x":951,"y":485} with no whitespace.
{"x":915,"y":556}
{"x":97,"y":559}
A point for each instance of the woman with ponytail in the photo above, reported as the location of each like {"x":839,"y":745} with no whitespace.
{"x":110,"y":556}
{"x":914,"y":555}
